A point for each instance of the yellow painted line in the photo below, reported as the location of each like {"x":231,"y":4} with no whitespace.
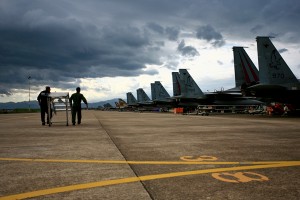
{"x":141,"y":178}
{"x":145,"y":162}
{"x":117,"y":161}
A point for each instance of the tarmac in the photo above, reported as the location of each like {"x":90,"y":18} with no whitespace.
{"x":132,"y":155}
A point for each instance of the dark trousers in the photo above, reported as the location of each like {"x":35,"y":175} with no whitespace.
{"x":44,"y":109}
{"x":78,"y":111}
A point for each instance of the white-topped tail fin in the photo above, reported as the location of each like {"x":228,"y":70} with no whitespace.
{"x":246,"y":72}
{"x":272,"y":68}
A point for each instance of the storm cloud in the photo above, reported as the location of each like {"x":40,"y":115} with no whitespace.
{"x":187,"y":50}
{"x":208,"y":33}
{"x":282,"y":50}
{"x":59,"y":48}
{"x":63,"y":41}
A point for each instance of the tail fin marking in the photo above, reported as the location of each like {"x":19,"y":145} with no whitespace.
{"x":245,"y":70}
{"x":273,"y":69}
{"x":252,"y":67}
{"x":247,"y":79}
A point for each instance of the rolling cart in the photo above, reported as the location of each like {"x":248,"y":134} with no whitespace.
{"x":59,"y":102}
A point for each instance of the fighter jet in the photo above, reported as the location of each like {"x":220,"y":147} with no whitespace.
{"x":186,"y":91}
{"x":184,"y":86}
{"x":277,"y":81}
{"x":131,"y":104}
{"x":158,"y":92}
{"x":143,"y":98}
{"x":131,"y":100}
{"x":246,"y":73}
{"x":160,"y":96}
{"x":191,"y":95}
{"x":144,"y":102}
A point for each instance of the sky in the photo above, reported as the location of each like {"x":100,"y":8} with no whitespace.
{"x":111,"y":47}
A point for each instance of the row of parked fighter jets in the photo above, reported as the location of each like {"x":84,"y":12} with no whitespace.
{"x":275,"y":82}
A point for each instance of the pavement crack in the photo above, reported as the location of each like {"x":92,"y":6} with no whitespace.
{"x":123,"y":155}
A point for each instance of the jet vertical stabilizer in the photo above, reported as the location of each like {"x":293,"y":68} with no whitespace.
{"x":160,"y":97}
{"x":121,"y":103}
{"x":153,"y":91}
{"x":131,"y":100}
{"x":245,"y":71}
{"x":176,"y":84}
{"x":142,"y":96}
{"x":158,"y":91}
{"x":272,"y":68}
{"x":189,"y":88}
{"x":277,"y":81}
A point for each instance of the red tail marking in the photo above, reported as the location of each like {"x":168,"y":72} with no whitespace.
{"x":251,"y":69}
{"x":244,"y":70}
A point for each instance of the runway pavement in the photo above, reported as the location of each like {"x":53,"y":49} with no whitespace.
{"x":131,"y":155}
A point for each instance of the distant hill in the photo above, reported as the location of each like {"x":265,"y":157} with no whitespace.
{"x":23,"y":104}
{"x":34,"y":104}
{"x":101,"y":103}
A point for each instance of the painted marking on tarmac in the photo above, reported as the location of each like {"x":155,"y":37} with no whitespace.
{"x":142,"y":178}
{"x":241,"y":177}
{"x":198,"y":158}
{"x":144,"y":162}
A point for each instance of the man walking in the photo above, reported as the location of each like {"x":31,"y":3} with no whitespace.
{"x":76,"y":105}
{"x":42,"y":99}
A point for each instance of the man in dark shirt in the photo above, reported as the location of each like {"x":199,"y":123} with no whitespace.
{"x":42,"y":99}
{"x":76,"y":105}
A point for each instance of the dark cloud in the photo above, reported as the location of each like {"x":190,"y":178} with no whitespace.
{"x":4,"y":91}
{"x":172,"y":65}
{"x":54,"y":49}
{"x":271,"y":34}
{"x":60,"y":41}
{"x":256,"y":29}
{"x":282,"y":50}
{"x":172,"y":62}
{"x":156,"y":28}
{"x":172,"y":33}
{"x":218,"y":43}
{"x":209,"y":34}
{"x":187,"y":50}
{"x":248,"y":19}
